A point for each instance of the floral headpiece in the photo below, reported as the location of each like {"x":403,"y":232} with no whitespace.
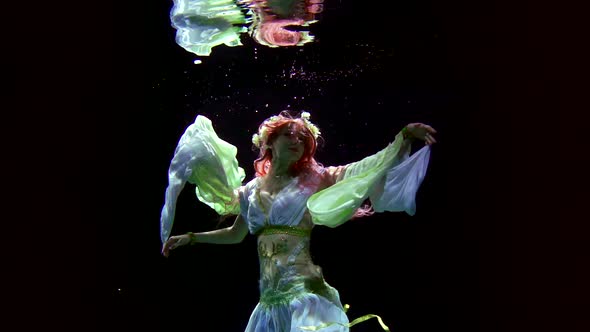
{"x":262,"y":135}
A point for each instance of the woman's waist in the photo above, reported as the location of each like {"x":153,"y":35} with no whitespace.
{"x":284,"y":248}
{"x":301,"y":268}
{"x":283,"y":230}
{"x":292,"y":280}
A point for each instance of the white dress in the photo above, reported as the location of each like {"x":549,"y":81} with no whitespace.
{"x":293,"y":293}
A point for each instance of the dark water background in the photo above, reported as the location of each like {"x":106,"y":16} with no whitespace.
{"x":122,"y":92}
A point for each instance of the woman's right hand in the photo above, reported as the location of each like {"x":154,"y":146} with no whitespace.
{"x":175,"y":242}
{"x":422,"y":132}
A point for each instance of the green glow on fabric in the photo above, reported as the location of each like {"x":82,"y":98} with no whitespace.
{"x":217,"y":176}
{"x":337,"y":204}
{"x":204,"y":24}
{"x":354,"y":322}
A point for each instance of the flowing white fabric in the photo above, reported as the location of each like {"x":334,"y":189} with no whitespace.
{"x":389,"y":178}
{"x":207,"y":161}
{"x":306,"y":311}
{"x":203,"y":24}
{"x":397,"y":191}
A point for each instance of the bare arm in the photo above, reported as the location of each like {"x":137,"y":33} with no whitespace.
{"x":229,"y":235}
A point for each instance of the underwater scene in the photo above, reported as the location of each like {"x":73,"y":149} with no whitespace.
{"x":235,"y":127}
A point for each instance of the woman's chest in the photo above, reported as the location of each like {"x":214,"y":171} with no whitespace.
{"x":282,"y":199}
{"x":269,"y":190}
{"x":279,"y":205}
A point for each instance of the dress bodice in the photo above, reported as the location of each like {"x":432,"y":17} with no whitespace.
{"x":287,"y":208}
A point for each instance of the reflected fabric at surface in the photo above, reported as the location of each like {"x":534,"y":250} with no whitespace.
{"x":202,"y":25}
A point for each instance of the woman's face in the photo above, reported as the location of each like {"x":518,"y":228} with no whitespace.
{"x":288,"y":144}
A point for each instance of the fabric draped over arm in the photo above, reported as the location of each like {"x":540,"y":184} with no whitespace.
{"x":389,"y":178}
{"x":210,"y":163}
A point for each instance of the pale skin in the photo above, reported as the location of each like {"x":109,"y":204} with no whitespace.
{"x":287,"y":149}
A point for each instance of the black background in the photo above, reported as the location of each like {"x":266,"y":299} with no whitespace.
{"x":105,"y":94}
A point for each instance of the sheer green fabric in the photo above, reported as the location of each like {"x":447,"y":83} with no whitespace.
{"x":217,"y":176}
{"x":204,"y":24}
{"x":203,"y":159}
{"x":337,"y":204}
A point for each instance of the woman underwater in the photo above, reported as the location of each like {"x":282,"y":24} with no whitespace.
{"x":290,"y":194}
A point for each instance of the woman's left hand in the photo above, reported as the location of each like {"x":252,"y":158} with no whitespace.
{"x":422,"y":131}
{"x":174,"y":242}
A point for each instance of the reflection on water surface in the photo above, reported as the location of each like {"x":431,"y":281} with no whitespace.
{"x":204,"y":24}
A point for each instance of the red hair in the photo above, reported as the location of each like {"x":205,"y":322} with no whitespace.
{"x":274,"y":32}
{"x":305,"y":163}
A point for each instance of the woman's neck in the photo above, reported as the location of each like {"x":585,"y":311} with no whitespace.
{"x":279,"y":169}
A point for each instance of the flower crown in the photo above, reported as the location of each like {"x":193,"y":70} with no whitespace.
{"x":262,"y":135}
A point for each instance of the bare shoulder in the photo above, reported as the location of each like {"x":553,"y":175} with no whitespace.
{"x":324,"y":177}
